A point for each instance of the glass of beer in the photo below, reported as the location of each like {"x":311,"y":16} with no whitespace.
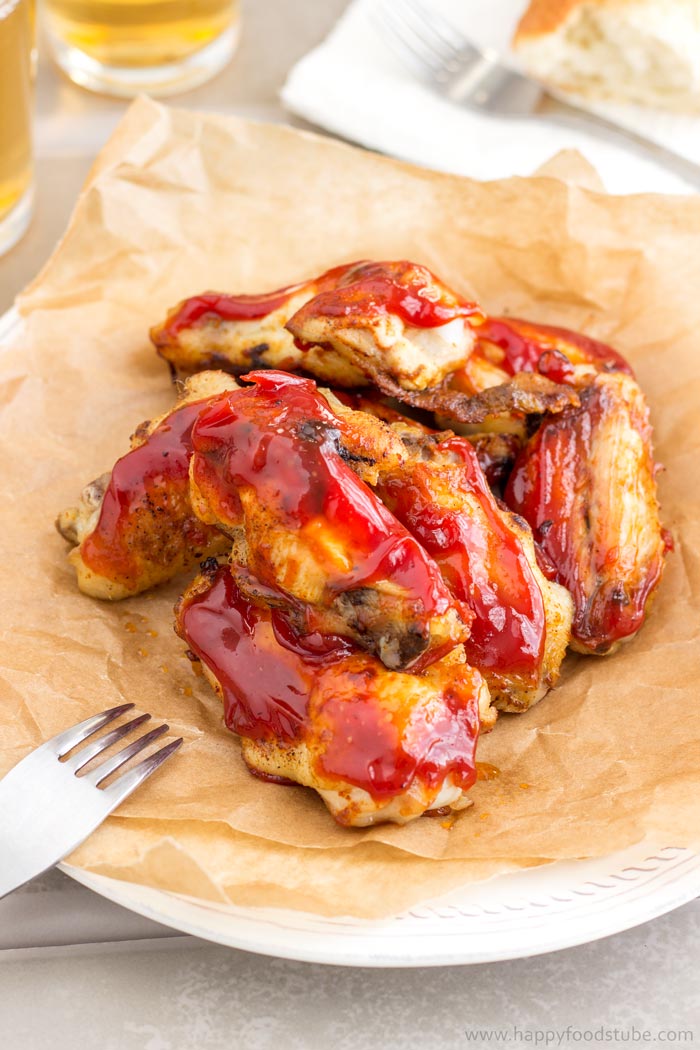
{"x":125,"y":47}
{"x":17,"y":61}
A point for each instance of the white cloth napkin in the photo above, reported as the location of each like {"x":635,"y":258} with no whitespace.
{"x":355,"y":85}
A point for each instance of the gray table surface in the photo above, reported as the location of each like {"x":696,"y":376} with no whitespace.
{"x":144,"y":988}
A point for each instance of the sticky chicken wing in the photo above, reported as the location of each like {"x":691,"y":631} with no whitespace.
{"x":354,"y":322}
{"x":273,"y":467}
{"x":393,"y":319}
{"x":377,"y":745}
{"x":585,"y":482}
{"x":239,"y":332}
{"x":134,"y":527}
{"x":521,"y":621}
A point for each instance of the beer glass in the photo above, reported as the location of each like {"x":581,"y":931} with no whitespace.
{"x":124,"y":47}
{"x":17,"y":61}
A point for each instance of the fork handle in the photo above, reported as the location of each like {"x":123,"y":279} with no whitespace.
{"x":585,"y":120}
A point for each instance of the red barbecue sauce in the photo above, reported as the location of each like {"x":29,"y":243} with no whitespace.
{"x":285,"y":688}
{"x":482,"y":561}
{"x":266,"y":672}
{"x":404,"y":289}
{"x":525,"y":345}
{"x":148,"y":492}
{"x":223,"y":307}
{"x":280,"y":439}
{"x":382,"y":751}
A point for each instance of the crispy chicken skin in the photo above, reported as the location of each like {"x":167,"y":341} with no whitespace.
{"x":522,"y":621}
{"x":502,"y":408}
{"x":390,"y":318}
{"x":134,"y":527}
{"x":273,"y":467}
{"x":239,"y":332}
{"x":586,"y":484}
{"x":377,"y":745}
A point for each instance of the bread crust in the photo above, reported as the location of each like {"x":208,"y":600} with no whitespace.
{"x":547,"y":16}
{"x":643,"y":52}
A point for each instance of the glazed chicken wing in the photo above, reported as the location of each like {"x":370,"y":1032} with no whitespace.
{"x":522,"y":621}
{"x":393,"y":319}
{"x":352,"y":323}
{"x":377,"y":745}
{"x":275,"y":468}
{"x":134,"y":527}
{"x":585,"y":482}
{"x":239,"y":332}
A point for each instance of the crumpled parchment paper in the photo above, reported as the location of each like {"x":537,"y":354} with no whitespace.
{"x":178,"y":203}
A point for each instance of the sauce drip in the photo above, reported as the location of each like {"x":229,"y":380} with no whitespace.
{"x":265,"y":681}
{"x":556,"y":366}
{"x":146,"y":514}
{"x":286,"y":688}
{"x":481,"y":558}
{"x":525,"y":344}
{"x":210,"y":305}
{"x":280,"y":439}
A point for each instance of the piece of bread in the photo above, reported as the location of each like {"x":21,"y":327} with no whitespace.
{"x":641,"y":51}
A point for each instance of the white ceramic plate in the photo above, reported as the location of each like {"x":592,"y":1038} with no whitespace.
{"x":525,"y":913}
{"x":540,"y":910}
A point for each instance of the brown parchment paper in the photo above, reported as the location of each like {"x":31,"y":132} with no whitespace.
{"x":178,"y":203}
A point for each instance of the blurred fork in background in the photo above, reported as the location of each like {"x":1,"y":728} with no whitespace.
{"x":438,"y":53}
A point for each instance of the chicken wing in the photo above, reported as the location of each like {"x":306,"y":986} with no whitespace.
{"x":521,"y":621}
{"x":377,"y":745}
{"x":586,"y":484}
{"x":273,"y":467}
{"x":134,"y":527}
{"x":408,"y":333}
{"x":239,"y":332}
{"x":393,"y":319}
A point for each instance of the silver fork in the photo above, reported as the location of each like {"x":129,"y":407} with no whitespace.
{"x":46,"y":809}
{"x":475,"y":78}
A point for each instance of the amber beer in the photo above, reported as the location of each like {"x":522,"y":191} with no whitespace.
{"x":16,"y":70}
{"x":127,"y":46}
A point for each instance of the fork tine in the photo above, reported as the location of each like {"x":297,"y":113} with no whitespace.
{"x":86,"y":754}
{"x":63,"y":742}
{"x":408,"y":44}
{"x":96,"y":776}
{"x":415,"y":15}
{"x":128,"y":782}
{"x":449,"y":35}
